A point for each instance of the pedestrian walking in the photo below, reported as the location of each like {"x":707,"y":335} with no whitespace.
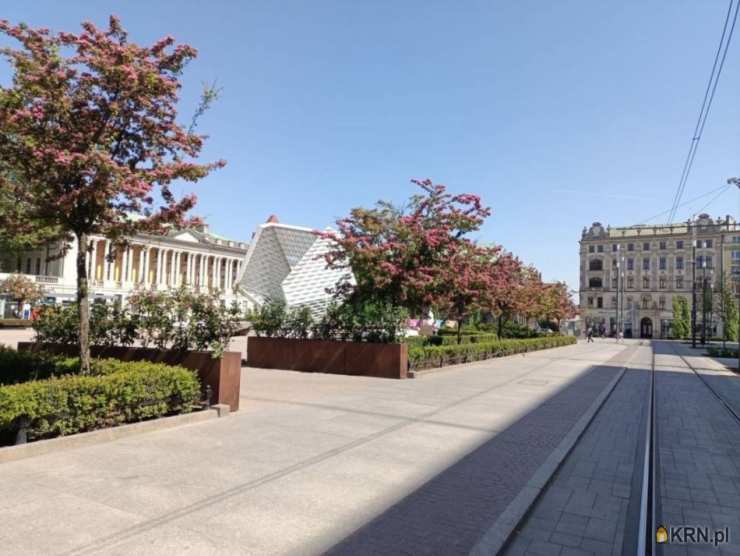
{"x":590,"y":336}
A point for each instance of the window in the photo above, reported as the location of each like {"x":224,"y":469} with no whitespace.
{"x":630,"y":264}
{"x":615,"y":247}
{"x":708,"y":243}
{"x":708,"y":260}
{"x":662,"y":263}
{"x":630,"y":282}
{"x":614,"y":283}
{"x":661,"y":303}
{"x":614,"y":263}
{"x":646,"y":283}
{"x":629,"y":303}
{"x":595,"y":264}
{"x":28,"y":266}
{"x":663,"y":245}
{"x":614,"y":301}
{"x":679,"y":263}
{"x":646,"y":246}
{"x":590,"y":301}
{"x":679,"y":282}
{"x":599,"y":302}
{"x":594,"y":282}
{"x":591,"y":249}
{"x":645,"y":302}
{"x":630,"y":247}
{"x":645,"y":264}
{"x":679,"y":244}
{"x":38,"y":267}
{"x":661,"y":283}
{"x":600,"y":248}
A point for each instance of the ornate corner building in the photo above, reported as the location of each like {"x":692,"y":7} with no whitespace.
{"x":630,"y":275}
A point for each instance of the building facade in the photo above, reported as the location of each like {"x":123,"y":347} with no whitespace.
{"x":194,"y":258}
{"x":630,"y":275}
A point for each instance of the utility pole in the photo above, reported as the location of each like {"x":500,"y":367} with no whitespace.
{"x":722,"y":284}
{"x":703,"y":300}
{"x":616,"y":316}
{"x":693,"y":285}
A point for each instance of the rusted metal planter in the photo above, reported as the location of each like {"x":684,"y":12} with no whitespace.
{"x":326,"y":356}
{"x":223,"y":375}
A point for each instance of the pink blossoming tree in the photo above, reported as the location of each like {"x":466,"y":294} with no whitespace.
{"x":88,"y":128}
{"x":404,"y":256}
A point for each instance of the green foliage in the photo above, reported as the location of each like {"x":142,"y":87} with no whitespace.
{"x":119,"y":392}
{"x":438,"y":356}
{"x":721,"y":352}
{"x":22,"y":366}
{"x":375,"y":321}
{"x":268,"y":319}
{"x":449,"y":339}
{"x":177,"y":319}
{"x":21,"y":289}
{"x":514,"y":330}
{"x":681,"y":325}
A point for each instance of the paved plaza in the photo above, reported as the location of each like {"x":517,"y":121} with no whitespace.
{"x":354,"y":465}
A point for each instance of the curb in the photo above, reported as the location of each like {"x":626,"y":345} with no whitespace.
{"x":62,"y":443}
{"x":496,"y":537}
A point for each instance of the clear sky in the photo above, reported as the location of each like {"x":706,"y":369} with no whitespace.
{"x":558,"y":114}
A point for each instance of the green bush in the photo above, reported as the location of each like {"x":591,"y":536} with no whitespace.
{"x":22,"y":366}
{"x":447,"y":339}
{"x":118,"y":392}
{"x":721,"y":352}
{"x":439,"y":356}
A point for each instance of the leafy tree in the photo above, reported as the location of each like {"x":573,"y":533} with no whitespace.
{"x":557,"y":303}
{"x":21,"y":289}
{"x":727,"y":308}
{"x":681,"y":325}
{"x":400,"y":256}
{"x":88,"y":129}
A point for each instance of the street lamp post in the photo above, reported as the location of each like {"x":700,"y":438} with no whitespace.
{"x":693,"y":290}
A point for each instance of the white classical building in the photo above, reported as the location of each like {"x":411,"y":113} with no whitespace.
{"x":286,"y":263}
{"x":194,"y":258}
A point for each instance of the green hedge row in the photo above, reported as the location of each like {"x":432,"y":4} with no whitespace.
{"x":439,"y":356}
{"x":118,"y":392}
{"x":22,"y":366}
{"x":446,"y":339}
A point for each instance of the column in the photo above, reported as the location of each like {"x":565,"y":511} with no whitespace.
{"x":187,"y":269}
{"x":227,"y":282}
{"x":217,"y":270}
{"x":146,"y":254}
{"x":107,"y":264}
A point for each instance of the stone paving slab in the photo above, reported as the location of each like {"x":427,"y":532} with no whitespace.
{"x":699,"y":457}
{"x":584,"y":508}
{"x":309,"y":459}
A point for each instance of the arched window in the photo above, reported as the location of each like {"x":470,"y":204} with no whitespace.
{"x":594,"y":282}
{"x":595,"y":264}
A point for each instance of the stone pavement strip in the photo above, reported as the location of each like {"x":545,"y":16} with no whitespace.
{"x":585,"y":507}
{"x":425,"y":464}
{"x":698,"y":453}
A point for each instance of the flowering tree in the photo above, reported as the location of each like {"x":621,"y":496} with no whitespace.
{"x":21,"y":289}
{"x":88,"y":128}
{"x":467,"y":283}
{"x":402,"y":255}
{"x":557,"y":303}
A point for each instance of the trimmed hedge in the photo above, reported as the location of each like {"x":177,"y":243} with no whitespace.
{"x":15,"y":323}
{"x":439,"y":356}
{"x":118,"y":392}
{"x":22,"y":366}
{"x":713,"y":351}
{"x":447,"y":339}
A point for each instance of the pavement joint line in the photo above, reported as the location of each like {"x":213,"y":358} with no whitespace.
{"x":151,"y":523}
{"x":91,"y":438}
{"x":499,"y":533}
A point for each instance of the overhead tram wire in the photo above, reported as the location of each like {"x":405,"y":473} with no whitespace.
{"x":717,"y":196}
{"x":706,"y":104}
{"x":721,"y":187}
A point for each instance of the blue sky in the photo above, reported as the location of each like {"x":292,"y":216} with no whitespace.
{"x":557,"y":113}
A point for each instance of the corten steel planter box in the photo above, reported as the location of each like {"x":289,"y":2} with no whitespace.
{"x":326,"y":356}
{"x":223,"y":375}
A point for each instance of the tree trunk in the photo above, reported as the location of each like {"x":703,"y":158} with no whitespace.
{"x":459,"y":331}
{"x":83,"y":303}
{"x":500,"y":327}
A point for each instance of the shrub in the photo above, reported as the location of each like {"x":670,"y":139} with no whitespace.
{"x":438,"y":356}
{"x":449,"y":339}
{"x":22,"y":366}
{"x":118,"y":392}
{"x":721,"y":352}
